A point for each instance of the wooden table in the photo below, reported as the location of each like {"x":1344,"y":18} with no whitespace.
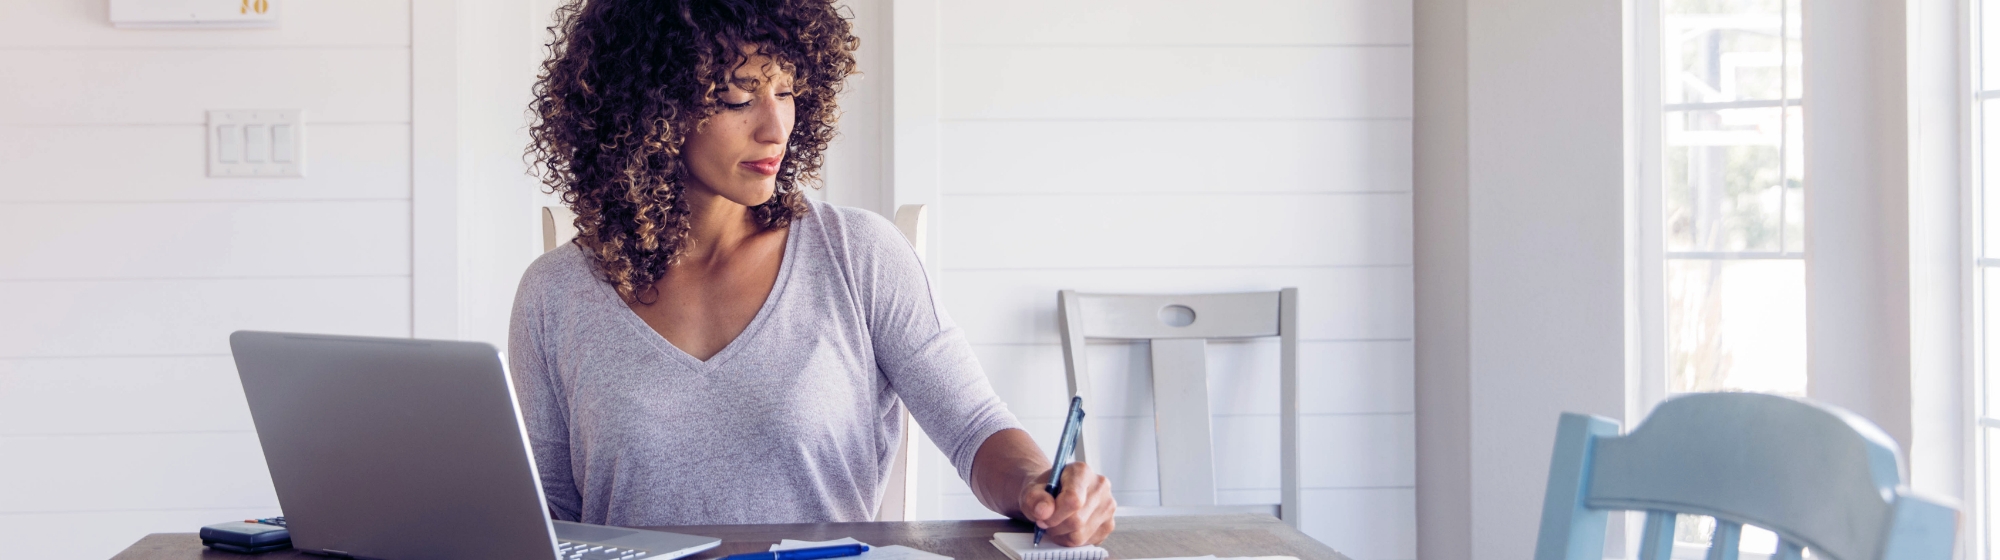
{"x":1136,"y":537}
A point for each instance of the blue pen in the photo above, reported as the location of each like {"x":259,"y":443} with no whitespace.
{"x":836,"y":551}
{"x":1065,"y":448}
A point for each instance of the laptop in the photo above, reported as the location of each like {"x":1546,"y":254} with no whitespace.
{"x":391,"y":448}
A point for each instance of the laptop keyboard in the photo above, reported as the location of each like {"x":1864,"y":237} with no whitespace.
{"x":584,"y":551}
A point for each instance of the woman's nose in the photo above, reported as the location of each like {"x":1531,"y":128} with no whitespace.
{"x":773,"y":122}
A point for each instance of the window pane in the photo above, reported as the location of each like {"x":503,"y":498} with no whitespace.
{"x":1991,"y":476}
{"x":1726,"y":50}
{"x":1991,"y":279}
{"x":1736,"y":325}
{"x":1989,"y":42}
{"x":1722,"y":182}
{"x":1795,"y":180}
{"x":1795,"y":50}
{"x":1989,"y":131}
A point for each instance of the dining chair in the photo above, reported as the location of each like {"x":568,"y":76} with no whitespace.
{"x":1178,"y":328}
{"x":899,"y":498}
{"x":899,"y":494}
{"x":1820,"y":477}
{"x":558,"y":227}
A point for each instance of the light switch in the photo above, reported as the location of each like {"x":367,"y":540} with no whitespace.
{"x":256,"y":143}
{"x":228,"y":143}
{"x":281,"y":143}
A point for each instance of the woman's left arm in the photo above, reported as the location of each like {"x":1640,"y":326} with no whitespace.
{"x":1011,"y":476}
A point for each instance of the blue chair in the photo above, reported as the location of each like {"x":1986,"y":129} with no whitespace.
{"x":1818,"y":476}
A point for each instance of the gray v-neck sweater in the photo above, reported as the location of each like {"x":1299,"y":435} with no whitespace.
{"x":794,"y":421}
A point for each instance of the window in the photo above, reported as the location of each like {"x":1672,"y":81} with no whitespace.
{"x":1720,"y":167}
{"x":1732,"y":196}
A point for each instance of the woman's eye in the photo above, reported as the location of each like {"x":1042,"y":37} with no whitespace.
{"x":728,"y":105}
{"x":784,"y":95}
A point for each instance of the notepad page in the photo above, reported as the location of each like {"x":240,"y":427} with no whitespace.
{"x":1021,"y":546}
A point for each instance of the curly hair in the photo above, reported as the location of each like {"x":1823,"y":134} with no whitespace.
{"x":626,"y":83}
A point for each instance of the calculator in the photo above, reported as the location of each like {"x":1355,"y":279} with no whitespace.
{"x":249,"y":536}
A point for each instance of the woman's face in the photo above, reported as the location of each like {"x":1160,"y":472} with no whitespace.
{"x":735,"y":154}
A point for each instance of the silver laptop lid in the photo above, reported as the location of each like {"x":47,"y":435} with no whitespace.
{"x":394,"y":448}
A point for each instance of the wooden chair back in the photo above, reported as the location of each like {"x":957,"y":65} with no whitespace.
{"x":899,"y":500}
{"x":558,"y":227}
{"x":1178,"y":328}
{"x":1818,"y":476}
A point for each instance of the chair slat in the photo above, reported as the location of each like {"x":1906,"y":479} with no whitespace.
{"x":1288,"y":408}
{"x":1658,"y":544}
{"x":1726,"y":542}
{"x":1181,"y":423}
{"x":1076,"y":361}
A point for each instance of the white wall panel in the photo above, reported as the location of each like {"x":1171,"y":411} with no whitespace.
{"x":150,"y":163}
{"x":856,"y":168}
{"x":1343,"y":451}
{"x":183,"y":317}
{"x":317,"y":23}
{"x":152,"y":86}
{"x":963,"y":506}
{"x":1335,"y":303}
{"x":48,"y":396}
{"x":1365,"y":523}
{"x":1180,"y":156}
{"x":205,"y":239}
{"x":1188,"y":146}
{"x":1208,"y":230}
{"x":1178,"y":22}
{"x":102,"y":534}
{"x":135,"y":471}
{"x":1341,"y":377}
{"x":1175,"y":82}
{"x":128,"y":267}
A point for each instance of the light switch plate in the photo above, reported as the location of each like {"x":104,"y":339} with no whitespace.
{"x":256,"y":143}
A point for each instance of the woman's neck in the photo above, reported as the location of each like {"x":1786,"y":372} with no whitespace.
{"x":716,"y":226}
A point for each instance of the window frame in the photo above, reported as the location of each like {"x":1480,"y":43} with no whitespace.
{"x":1972,"y":242}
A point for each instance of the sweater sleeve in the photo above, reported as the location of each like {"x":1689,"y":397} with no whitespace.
{"x":923,"y":354}
{"x":542,"y":405}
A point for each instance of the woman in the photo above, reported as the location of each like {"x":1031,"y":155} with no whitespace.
{"x":715,"y":348}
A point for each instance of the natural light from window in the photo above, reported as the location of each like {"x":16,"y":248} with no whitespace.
{"x":1733,"y":196}
{"x":1985,"y":49}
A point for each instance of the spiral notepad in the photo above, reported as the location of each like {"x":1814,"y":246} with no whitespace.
{"x":1021,"y":546}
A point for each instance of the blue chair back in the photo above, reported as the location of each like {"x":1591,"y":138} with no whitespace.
{"x":1818,"y":476}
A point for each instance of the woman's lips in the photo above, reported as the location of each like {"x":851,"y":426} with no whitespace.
{"x":766,"y":166}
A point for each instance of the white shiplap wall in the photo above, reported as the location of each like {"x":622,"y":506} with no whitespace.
{"x":123,"y":267}
{"x":1193,"y":146}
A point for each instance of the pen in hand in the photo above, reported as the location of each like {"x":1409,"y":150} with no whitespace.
{"x":1065,"y":447}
